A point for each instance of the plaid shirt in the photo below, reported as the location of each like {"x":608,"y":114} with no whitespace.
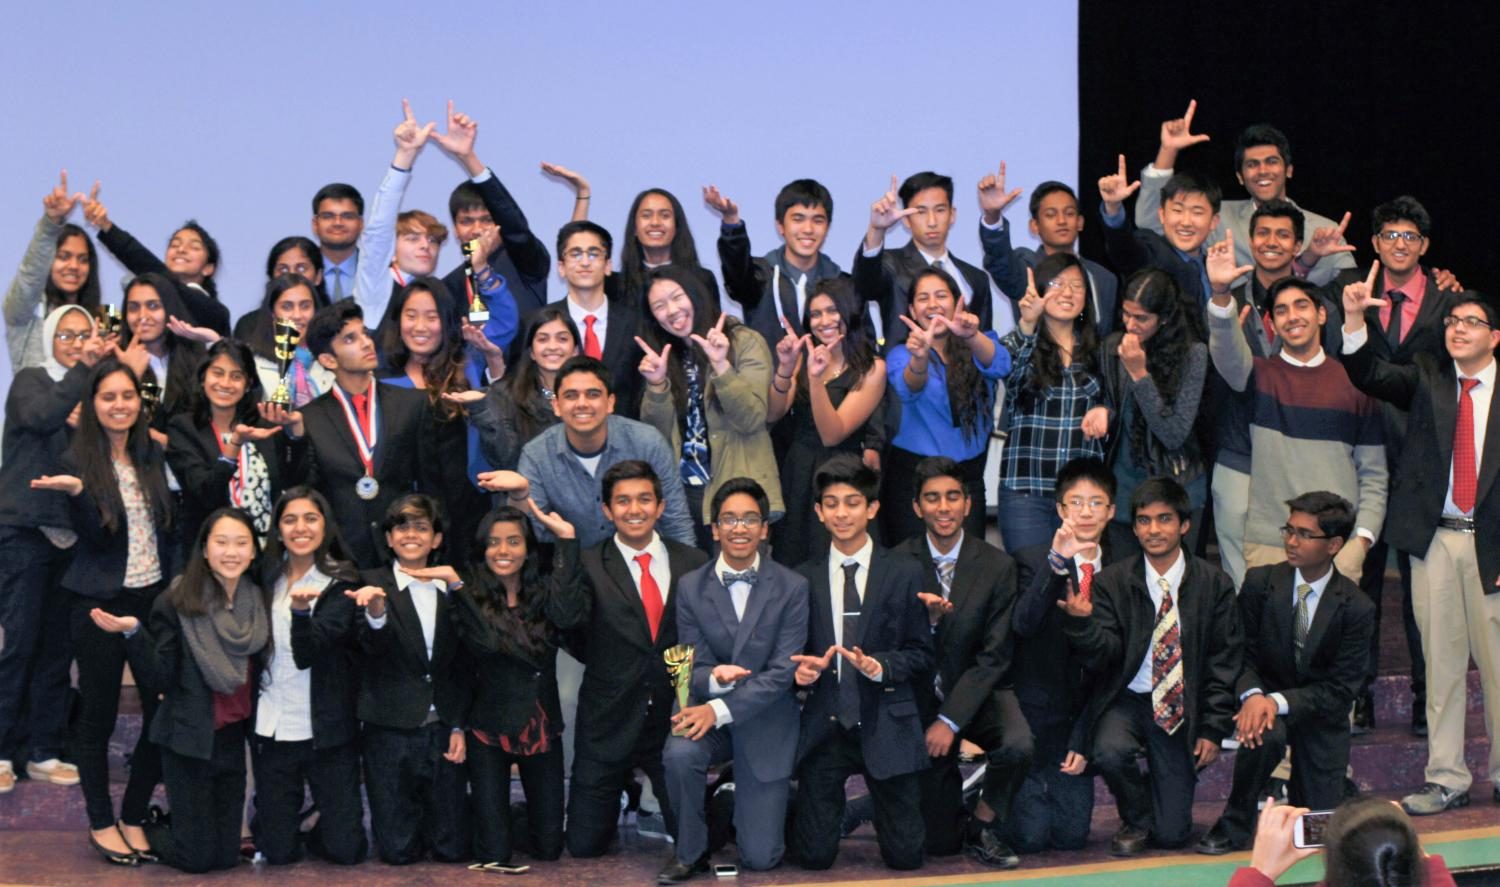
{"x":1042,"y":438}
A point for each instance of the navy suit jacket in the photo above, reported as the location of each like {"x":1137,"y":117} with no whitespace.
{"x":893,"y":628}
{"x":521,"y":259}
{"x":1007,"y":265}
{"x":773,"y":630}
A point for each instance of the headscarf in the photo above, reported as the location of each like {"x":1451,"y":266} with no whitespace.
{"x":55,"y":370}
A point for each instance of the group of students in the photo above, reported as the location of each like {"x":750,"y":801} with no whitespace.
{"x":355,"y":529}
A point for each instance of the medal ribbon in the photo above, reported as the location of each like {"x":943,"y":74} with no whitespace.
{"x":237,"y":482}
{"x":364,"y":440}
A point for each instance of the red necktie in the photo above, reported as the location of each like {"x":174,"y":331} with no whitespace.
{"x":1465,"y":483}
{"x":650,"y":595}
{"x":1086,"y":582}
{"x":591,"y":341}
{"x":361,"y":404}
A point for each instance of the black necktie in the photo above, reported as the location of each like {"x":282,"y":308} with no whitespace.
{"x":1393,"y":329}
{"x":848,"y":674}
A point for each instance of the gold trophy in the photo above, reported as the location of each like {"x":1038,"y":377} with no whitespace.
{"x":286,"y":349}
{"x":109,"y":320}
{"x":150,"y":398}
{"x":679,"y":661}
{"x":478,"y":313}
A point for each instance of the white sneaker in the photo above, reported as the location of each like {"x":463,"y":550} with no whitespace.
{"x":54,"y":771}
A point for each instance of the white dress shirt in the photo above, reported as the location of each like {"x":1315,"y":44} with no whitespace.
{"x":661,"y":571}
{"x":836,"y":561}
{"x":284,"y":710}
{"x":579,"y":313}
{"x":1141,"y":683}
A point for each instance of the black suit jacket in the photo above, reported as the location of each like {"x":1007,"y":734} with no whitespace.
{"x":625,"y":701}
{"x":1427,"y":389}
{"x":323,"y":642}
{"x":621,"y":354}
{"x":521,"y":260}
{"x":193,"y":452}
{"x":1319,"y":685}
{"x":404,"y":462}
{"x":885,"y":279}
{"x":1130,"y":249}
{"x":763,"y":292}
{"x":972,"y":645}
{"x":1117,"y":637}
{"x":398,"y":683}
{"x":893,"y":628}
{"x":36,"y":436}
{"x":97,"y":565}
{"x":203,"y":309}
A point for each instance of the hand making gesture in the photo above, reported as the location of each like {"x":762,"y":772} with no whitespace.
{"x":1222,"y":271}
{"x":1033,"y":303}
{"x":726,"y":208}
{"x":653,"y":365}
{"x":1326,"y":241}
{"x":458,"y":135}
{"x":1358,"y":296}
{"x":884,"y":213}
{"x":58,"y":202}
{"x":1115,"y":188}
{"x":1175,"y":135}
{"x":868,"y":666}
{"x":715,"y":346}
{"x":820,"y":357}
{"x":94,"y":212}
{"x":409,"y":137}
{"x":789,"y":350}
{"x":810,"y":668}
{"x":993,"y":198}
{"x":371,"y":598}
{"x":553,"y":521}
{"x":579,"y":184}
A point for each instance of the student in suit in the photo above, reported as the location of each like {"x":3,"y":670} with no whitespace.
{"x":1056,"y":222}
{"x":969,"y":587}
{"x":861,"y":712}
{"x":121,"y":510}
{"x":625,"y":701}
{"x":366,"y":443}
{"x":510,"y":619}
{"x":414,"y":693}
{"x":1307,"y":633}
{"x":1161,"y":637}
{"x":338,"y":219}
{"x":1445,"y":512}
{"x":172,"y":360}
{"x":306,"y":728}
{"x":200,"y":646}
{"x":1047,"y":674}
{"x":745,"y":618}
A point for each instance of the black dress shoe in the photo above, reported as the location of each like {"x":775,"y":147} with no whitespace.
{"x":1216,"y":842}
{"x":990,"y":849}
{"x":114,"y":857}
{"x":675,"y":872}
{"x":1419,"y":718}
{"x":1128,"y":841}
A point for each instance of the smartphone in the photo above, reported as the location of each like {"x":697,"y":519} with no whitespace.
{"x":726,"y":871}
{"x":1308,"y":830}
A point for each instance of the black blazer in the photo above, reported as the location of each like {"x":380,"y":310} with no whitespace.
{"x":626,"y":697}
{"x":203,"y":309}
{"x":1117,"y":637}
{"x":1427,"y":389}
{"x":522,"y":259}
{"x":398,"y":683}
{"x":323,"y":641}
{"x":621,"y":354}
{"x":1319,"y":685}
{"x":750,"y":281}
{"x":193,"y":452}
{"x":893,"y":628}
{"x":509,"y":680}
{"x":36,"y":436}
{"x":972,"y":646}
{"x":1130,"y":249}
{"x":97,"y":567}
{"x":405,"y":461}
{"x":886,"y":278}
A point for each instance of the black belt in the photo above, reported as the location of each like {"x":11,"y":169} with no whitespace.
{"x":1461,"y":524}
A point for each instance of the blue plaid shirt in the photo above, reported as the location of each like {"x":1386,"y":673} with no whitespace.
{"x":1047,"y":433}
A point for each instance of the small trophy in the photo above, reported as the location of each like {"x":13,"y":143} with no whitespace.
{"x":679,"y":661}
{"x":478,"y":314}
{"x":150,"y":398}
{"x":286,"y":349}
{"x":109,"y":320}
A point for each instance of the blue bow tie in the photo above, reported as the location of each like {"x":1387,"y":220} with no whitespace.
{"x":729,"y":577}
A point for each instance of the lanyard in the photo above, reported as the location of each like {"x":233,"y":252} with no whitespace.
{"x":364,"y":439}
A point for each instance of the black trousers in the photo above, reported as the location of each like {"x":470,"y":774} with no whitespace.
{"x":101,"y":665}
{"x":542,"y":780}
{"x":1162,"y":803}
{"x":418,"y":802}
{"x":1320,"y":756}
{"x":819,"y":809}
{"x":594,"y":795}
{"x":1056,"y":808}
{"x":1372,"y":583}
{"x":208,"y":800}
{"x":283,"y":772}
{"x":34,"y":661}
{"x":1000,"y":729}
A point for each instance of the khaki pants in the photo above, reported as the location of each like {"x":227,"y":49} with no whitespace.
{"x":1457,"y":620}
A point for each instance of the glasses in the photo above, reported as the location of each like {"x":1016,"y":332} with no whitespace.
{"x":341,"y":217}
{"x":576,"y":254}
{"x":301,"y":268}
{"x":1470,"y":321}
{"x":66,"y":337}
{"x":748,"y":521}
{"x":1078,"y":503}
{"x":1393,"y":236}
{"x":1060,"y":284}
{"x":1301,"y":533}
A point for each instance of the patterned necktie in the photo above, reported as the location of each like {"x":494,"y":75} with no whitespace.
{"x":1465,"y":480}
{"x":848,"y":675}
{"x":1304,"y":619}
{"x":650,"y":595}
{"x":945,"y":568}
{"x":1393,"y":329}
{"x":1086,"y":582}
{"x":729,"y":577}
{"x":695,"y":455}
{"x":1166,"y":664}
{"x":591,"y":345}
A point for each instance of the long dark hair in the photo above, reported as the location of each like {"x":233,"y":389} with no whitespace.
{"x":1046,"y":358}
{"x":444,"y":371}
{"x":705,"y":314}
{"x":314,"y":256}
{"x":187,"y":593}
{"x":245,"y":412}
{"x":526,"y":624}
{"x":1155,"y":291}
{"x":88,"y":294}
{"x":524,"y":379}
{"x":859,"y":352}
{"x":263,"y":337}
{"x":90,"y":451}
{"x":968,"y":394}
{"x":684,"y":252}
{"x":1372,"y":841}
{"x":183,"y":355}
{"x":331,"y":557}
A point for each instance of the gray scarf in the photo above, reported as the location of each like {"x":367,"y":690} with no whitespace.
{"x":223,"y":639}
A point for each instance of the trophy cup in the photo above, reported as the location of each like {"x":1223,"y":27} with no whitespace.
{"x":679,"y":661}
{"x":478,"y":314}
{"x":150,"y":398}
{"x":109,"y":320}
{"x":286,"y":348}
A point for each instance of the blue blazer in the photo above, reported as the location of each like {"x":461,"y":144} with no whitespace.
{"x":773,"y":631}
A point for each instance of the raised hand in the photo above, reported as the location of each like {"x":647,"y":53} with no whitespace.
{"x":303,"y":596}
{"x":1032,"y":305}
{"x":134,"y":356}
{"x":1115,"y":188}
{"x":277,"y":414}
{"x":868,"y":666}
{"x":993,"y":198}
{"x":1066,"y":543}
{"x":789,"y":349}
{"x":715,"y":346}
{"x":1178,"y":133}
{"x":1358,"y":296}
{"x":185,"y":330}
{"x":576,"y":181}
{"x":113,"y":624}
{"x":1095,"y":423}
{"x":489,"y":241}
{"x":410,"y":136}
{"x":457,"y":137}
{"x":728,"y":209}
{"x":440,"y":573}
{"x":1132,"y":356}
{"x":58,"y":202}
{"x":885,"y":213}
{"x":370,"y":597}
{"x":727,"y":674}
{"x":61,"y":483}
{"x":937,"y":606}
{"x":918,"y":341}
{"x":494,"y":355}
{"x":252,"y":433}
{"x":653,"y":365}
{"x":820,"y":356}
{"x":473,"y":395}
{"x":553,"y":521}
{"x":963,"y":324}
{"x":1219,"y":263}
{"x":95,"y":212}
{"x":810,"y":668}
{"x":1327,"y":240}
{"x":511,"y":482}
